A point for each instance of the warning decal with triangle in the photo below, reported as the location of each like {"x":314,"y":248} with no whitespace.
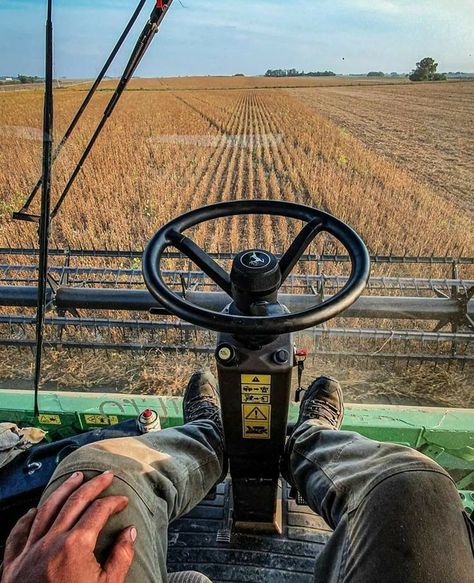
{"x":257,"y":414}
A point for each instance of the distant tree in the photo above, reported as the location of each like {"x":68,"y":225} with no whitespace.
{"x":28,"y":79}
{"x":376,"y":74}
{"x":426,"y":71}
{"x":239,"y":75}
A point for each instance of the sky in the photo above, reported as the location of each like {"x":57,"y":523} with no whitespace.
{"x":224,"y":37}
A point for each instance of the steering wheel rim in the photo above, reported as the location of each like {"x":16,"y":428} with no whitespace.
{"x":171,"y":235}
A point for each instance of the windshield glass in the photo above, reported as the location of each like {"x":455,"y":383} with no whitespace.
{"x":364,"y":110}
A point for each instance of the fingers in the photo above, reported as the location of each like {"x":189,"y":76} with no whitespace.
{"x":80,"y":500}
{"x":96,"y":517}
{"x":50,"y":509}
{"x":121,"y":556}
{"x":16,"y":542}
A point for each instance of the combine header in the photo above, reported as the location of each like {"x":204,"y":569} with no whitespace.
{"x":400,"y":318}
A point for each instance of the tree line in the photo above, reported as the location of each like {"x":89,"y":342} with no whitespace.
{"x":22,"y":79}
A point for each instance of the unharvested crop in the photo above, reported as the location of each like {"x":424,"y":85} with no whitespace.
{"x":166,"y":152}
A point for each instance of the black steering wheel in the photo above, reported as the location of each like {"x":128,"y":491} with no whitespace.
{"x":171,"y":235}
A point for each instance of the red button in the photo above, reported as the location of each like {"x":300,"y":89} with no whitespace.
{"x":147,"y":413}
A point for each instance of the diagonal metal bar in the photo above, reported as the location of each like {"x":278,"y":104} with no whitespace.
{"x":298,"y":247}
{"x":21,"y":215}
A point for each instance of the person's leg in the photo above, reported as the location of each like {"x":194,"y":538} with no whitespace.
{"x":163,"y":474}
{"x":396,"y":514}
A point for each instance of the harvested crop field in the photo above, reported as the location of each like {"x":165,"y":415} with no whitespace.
{"x":427,"y":129}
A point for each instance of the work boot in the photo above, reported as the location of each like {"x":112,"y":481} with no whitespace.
{"x":322,"y":402}
{"x":201,"y":399}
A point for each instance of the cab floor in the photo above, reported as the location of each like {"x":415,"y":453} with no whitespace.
{"x":201,"y":541}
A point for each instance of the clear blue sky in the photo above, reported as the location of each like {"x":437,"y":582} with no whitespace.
{"x":220,"y":37}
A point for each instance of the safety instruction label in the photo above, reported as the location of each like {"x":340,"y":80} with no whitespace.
{"x":50,"y":419}
{"x":256,"y":406}
{"x":101,"y":419}
{"x":256,"y":389}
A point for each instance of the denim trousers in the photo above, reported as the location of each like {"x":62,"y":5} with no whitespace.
{"x":396,"y":514}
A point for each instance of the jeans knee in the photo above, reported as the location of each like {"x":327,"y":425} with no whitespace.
{"x":85,"y":456}
{"x":426,"y":483}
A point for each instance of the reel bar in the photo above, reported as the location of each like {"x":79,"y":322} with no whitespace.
{"x":133,"y":277}
{"x":176,"y":348}
{"x":318,"y":332}
{"x":119,"y":254}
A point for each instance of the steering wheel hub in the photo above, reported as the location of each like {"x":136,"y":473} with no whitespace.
{"x":255,"y":273}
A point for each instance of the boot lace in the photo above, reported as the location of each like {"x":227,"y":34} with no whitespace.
{"x":322,"y":410}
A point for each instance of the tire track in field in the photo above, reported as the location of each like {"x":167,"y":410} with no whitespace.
{"x":245,"y":179}
{"x":281,"y":184}
{"x":249,"y":185}
{"x":210,"y":120}
{"x":262,"y":226}
{"x":208,"y":168}
{"x":307,"y":193}
{"x":197,"y":193}
{"x":233,"y":175}
{"x":210,"y":182}
{"x":265,"y":167}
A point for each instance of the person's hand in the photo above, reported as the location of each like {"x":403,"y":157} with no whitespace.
{"x":56,"y":542}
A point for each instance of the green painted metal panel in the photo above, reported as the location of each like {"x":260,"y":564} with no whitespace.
{"x":449,"y":429}
{"x":446,"y":435}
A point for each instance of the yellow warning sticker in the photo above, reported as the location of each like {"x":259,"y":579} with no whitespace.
{"x":256,"y":379}
{"x":255,"y":397}
{"x":256,"y":388}
{"x":257,"y":412}
{"x":256,"y":405}
{"x":256,"y":429}
{"x":256,"y":420}
{"x":101,"y":419}
{"x":50,"y":419}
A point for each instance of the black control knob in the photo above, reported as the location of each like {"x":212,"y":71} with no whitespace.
{"x":281,"y":356}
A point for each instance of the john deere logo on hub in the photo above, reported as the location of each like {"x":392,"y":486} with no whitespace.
{"x":255,"y":259}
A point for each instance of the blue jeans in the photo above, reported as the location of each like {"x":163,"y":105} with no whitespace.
{"x":387,"y":504}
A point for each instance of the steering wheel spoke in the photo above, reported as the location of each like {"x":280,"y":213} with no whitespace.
{"x":210,"y":267}
{"x":299,"y":246}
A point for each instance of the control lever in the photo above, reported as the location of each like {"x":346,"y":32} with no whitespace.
{"x":300,"y":356}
